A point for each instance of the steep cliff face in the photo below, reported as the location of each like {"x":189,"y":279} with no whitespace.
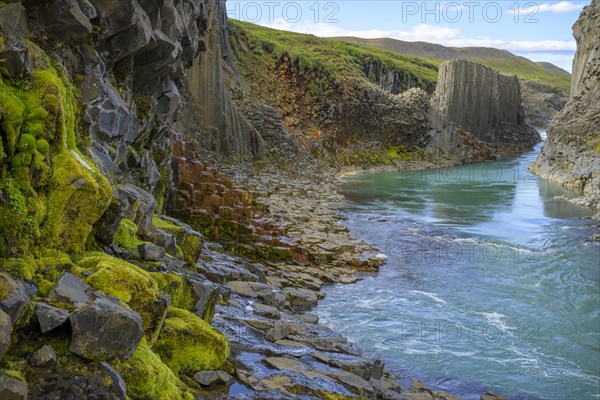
{"x":571,"y":155}
{"x":210,"y":112}
{"x":116,"y":71}
{"x":477,"y":112}
{"x":541,"y":103}
{"x":345,"y":105}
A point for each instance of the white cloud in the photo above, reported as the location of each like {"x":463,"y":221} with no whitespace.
{"x":421,"y":32}
{"x":561,"y":7}
{"x":515,"y":45}
{"x":443,"y":35}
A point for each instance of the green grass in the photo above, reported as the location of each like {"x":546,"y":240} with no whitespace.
{"x":341,"y":61}
{"x":499,"y":60}
{"x":529,"y":71}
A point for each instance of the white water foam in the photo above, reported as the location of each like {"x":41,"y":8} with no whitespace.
{"x":433,"y":296}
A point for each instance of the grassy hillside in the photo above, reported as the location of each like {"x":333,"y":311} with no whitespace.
{"x":500,"y":60}
{"x":553,"y":68}
{"x":341,"y":61}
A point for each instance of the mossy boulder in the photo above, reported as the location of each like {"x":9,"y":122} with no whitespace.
{"x":177,"y":287}
{"x":132,"y":285}
{"x":188,"y":344}
{"x":126,"y":236}
{"x":79,"y":197}
{"x":147,"y":377}
{"x":13,"y":297}
{"x":189,"y":242}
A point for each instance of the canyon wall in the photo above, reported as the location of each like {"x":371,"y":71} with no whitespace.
{"x":477,"y":112}
{"x":571,"y":155}
{"x":209,"y":111}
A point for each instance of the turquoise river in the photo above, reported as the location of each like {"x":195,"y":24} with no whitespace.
{"x":492,"y":281}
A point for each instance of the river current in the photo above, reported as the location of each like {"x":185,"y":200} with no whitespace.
{"x":491,"y":282}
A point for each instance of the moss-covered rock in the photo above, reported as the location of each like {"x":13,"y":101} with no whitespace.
{"x":189,"y":242}
{"x":177,"y":287}
{"x":146,"y":376}
{"x":187,"y":344}
{"x":80,"y":196}
{"x":50,"y":193}
{"x":126,"y":236}
{"x":132,"y":285}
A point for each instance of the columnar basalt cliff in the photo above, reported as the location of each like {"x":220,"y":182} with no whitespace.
{"x":476,"y":113}
{"x":571,"y":155}
{"x":209,"y":111}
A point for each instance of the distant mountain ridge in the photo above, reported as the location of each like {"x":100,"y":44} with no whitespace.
{"x":501,"y":60}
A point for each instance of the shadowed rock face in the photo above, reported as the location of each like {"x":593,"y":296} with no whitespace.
{"x":475,"y":102}
{"x":210,"y":112}
{"x":571,"y":155}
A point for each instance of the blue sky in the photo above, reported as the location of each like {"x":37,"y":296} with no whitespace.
{"x":538,"y":30}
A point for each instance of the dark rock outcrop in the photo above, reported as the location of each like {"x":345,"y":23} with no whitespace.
{"x":13,"y":297}
{"x":12,"y":389}
{"x":104,"y":329}
{"x":541,"y":103}
{"x":50,"y":317}
{"x":73,"y":378}
{"x":476,"y":109}
{"x":5,"y":333}
{"x":210,"y":110}
{"x":571,"y":155}
{"x":43,"y":356}
{"x":71,"y":290}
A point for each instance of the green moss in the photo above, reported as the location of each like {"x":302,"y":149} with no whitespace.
{"x":51,"y":265}
{"x":35,"y":129}
{"x":12,"y":110}
{"x":403,"y":154}
{"x":126,"y":236}
{"x":15,"y":368}
{"x":131,"y":284}
{"x":165,"y":225}
{"x":162,"y":187}
{"x":16,"y":220}
{"x":188,"y":344}
{"x":177,"y":287}
{"x":4,"y":288}
{"x":323,"y":394}
{"x":79,"y":197}
{"x":189,"y":245}
{"x":43,"y":147}
{"x":52,"y":194}
{"x":22,"y":268}
{"x":147,"y":377}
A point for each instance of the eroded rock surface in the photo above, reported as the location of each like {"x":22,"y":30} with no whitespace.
{"x":571,"y":155}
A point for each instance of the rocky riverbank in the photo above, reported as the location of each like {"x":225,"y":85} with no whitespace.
{"x":279,"y":345}
{"x":571,"y":155}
